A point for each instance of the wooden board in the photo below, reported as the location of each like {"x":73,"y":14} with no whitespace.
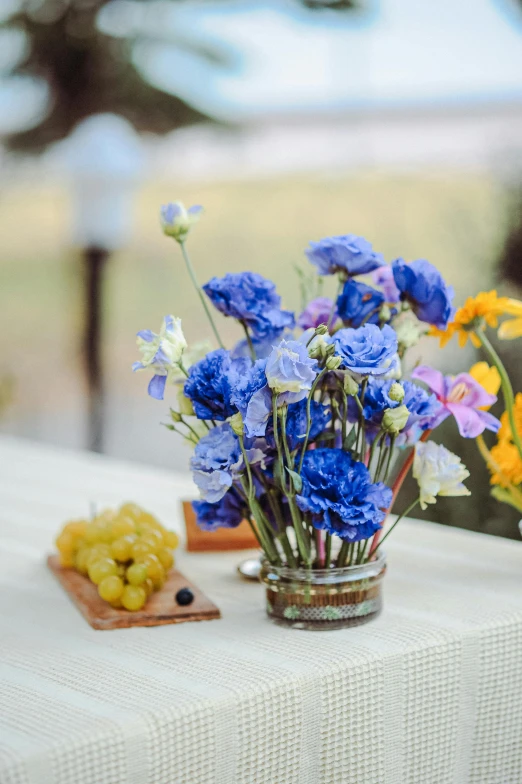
{"x":159,"y":610}
{"x":198,"y":541}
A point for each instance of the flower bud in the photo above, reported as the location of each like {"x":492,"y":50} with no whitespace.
{"x":177,"y":221}
{"x":396,"y":392}
{"x":351,"y":387}
{"x":329,"y":349}
{"x":385,"y":313}
{"x":184,"y":404}
{"x":394,"y":419}
{"x":236,"y":423}
{"x":333,"y":363}
{"x":322,"y":329}
{"x":175,"y":416}
{"x":315,"y":352}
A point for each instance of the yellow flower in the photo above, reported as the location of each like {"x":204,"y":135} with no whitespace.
{"x":512,"y":328}
{"x":487,"y":306}
{"x":505,"y":454}
{"x":488,"y":377}
{"x":505,"y":434}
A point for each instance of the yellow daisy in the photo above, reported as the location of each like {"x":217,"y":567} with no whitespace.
{"x":487,"y":306}
{"x":512,"y":328}
{"x":505,"y":434}
{"x":487,"y":376}
{"x":506,"y":456}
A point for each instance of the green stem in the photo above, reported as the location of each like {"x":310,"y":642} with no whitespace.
{"x":343,"y":552}
{"x":300,"y":534}
{"x":193,"y":278}
{"x":507,"y":389}
{"x":390,"y":455}
{"x":327,"y":550}
{"x":404,"y":514}
{"x":249,"y":341}
{"x":309,"y":417}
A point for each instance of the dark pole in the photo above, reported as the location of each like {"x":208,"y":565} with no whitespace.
{"x":94,"y":261}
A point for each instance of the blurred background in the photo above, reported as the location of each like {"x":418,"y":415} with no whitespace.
{"x":398,"y":120}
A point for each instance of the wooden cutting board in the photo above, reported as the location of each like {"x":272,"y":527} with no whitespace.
{"x":160,"y":609}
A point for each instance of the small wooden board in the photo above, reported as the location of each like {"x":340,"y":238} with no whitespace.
{"x":198,"y":541}
{"x":160,"y":609}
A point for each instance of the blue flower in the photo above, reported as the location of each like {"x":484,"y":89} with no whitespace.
{"x":252,"y":397}
{"x":226,"y":513}
{"x":368,"y":350}
{"x":208,"y":386}
{"x":320,"y":310}
{"x":339,"y":494}
{"x":422,"y":285}
{"x":216,"y":462}
{"x":359,"y":302}
{"x":348,"y":254}
{"x":251,"y":299}
{"x":290,"y":372}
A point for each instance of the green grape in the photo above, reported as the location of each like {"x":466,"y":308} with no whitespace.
{"x":121,"y":549}
{"x":171,"y":539}
{"x":136,"y":574}
{"x":105,"y":567}
{"x":111,"y":588}
{"x":166,"y":558}
{"x":140,"y":548}
{"x":122,"y":526}
{"x":133,"y":597}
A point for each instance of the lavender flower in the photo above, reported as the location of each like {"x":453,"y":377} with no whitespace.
{"x":177,"y":221}
{"x":290,"y":372}
{"x":320,"y":310}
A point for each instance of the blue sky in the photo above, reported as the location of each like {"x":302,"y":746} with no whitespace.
{"x":286,"y":59}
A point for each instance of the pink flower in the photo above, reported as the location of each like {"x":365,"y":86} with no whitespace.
{"x":461,"y":396}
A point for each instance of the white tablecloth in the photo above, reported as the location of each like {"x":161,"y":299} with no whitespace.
{"x":430,"y":693}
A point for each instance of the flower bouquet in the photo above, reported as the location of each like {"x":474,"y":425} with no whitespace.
{"x":296,"y":426}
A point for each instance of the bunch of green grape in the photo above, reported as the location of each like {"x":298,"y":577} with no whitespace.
{"x":127,"y":553}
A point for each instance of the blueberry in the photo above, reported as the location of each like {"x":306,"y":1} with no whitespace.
{"x":184,"y":596}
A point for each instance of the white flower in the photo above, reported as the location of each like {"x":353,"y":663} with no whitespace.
{"x":409,"y":329}
{"x":438,"y":472}
{"x":177,"y":221}
{"x":161,"y":353}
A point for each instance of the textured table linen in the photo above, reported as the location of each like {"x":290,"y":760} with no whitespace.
{"x":431,"y":692}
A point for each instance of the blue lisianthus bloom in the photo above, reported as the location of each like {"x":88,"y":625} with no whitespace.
{"x":422,"y":285}
{"x":290,"y":372}
{"x":226,"y":513}
{"x":340,"y":496}
{"x":251,"y":299}
{"x":424,"y":408}
{"x":348,"y":254}
{"x":359,"y":302}
{"x":252,"y":397}
{"x":208,"y":386}
{"x":368,"y":350}
{"x":216,"y":462}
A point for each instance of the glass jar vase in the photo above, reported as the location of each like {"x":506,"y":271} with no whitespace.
{"x":324,"y":598}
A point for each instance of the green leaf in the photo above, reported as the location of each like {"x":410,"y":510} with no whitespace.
{"x":349,"y":441}
{"x":327,"y":436}
{"x":296,"y":479}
